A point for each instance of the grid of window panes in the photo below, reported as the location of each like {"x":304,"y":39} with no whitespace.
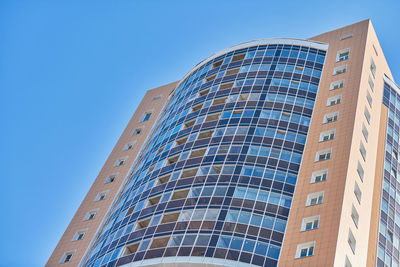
{"x":216,"y":177}
{"x":389,"y":225}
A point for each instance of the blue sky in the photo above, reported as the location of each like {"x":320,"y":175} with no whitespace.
{"x":73,"y":72}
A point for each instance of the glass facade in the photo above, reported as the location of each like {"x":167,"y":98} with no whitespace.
{"x":215,"y":179}
{"x":389,"y":224}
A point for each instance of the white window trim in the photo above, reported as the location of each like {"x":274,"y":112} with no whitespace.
{"x":156,"y":97}
{"x":127,"y":145}
{"x":303,"y":246}
{"x":333,"y":98}
{"x":108,"y":179}
{"x":329,"y":133}
{"x":100,"y":194}
{"x":86,"y":218}
{"x":83,"y":231}
{"x":72,"y":252}
{"x":333,"y":84}
{"x":313,"y":195}
{"x":339,"y":68}
{"x":308,"y":220}
{"x":342,"y":51}
{"x":332,"y":114}
{"x":317,"y":173}
{"x":325,"y":151}
{"x":145,"y":114}
{"x":135,"y":131}
{"x":118,"y":161}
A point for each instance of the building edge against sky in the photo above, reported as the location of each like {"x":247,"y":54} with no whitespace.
{"x":251,"y":133}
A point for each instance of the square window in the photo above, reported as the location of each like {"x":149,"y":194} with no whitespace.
{"x":67,"y":257}
{"x":367,"y":115}
{"x":111,"y":178}
{"x":372,"y":67}
{"x":340,"y":70}
{"x":319,"y":176}
{"x":323,"y":155}
{"x":146,"y":116}
{"x":90,"y":215}
{"x":331,"y":117}
{"x":334,"y":100}
{"x":129,"y":145}
{"x":305,"y":250}
{"x":343,"y":54}
{"x":137,"y":131}
{"x":327,"y":135}
{"x":79,"y":235}
{"x":354,"y":215}
{"x":156,"y":97}
{"x":363,"y":151}
{"x":120,"y":162}
{"x":315,"y":198}
{"x":310,"y":223}
{"x":101,"y":196}
{"x":336,"y":85}
{"x":352,"y":241}
{"x":357,"y":192}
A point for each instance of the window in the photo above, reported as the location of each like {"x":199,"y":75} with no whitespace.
{"x":363,"y":151}
{"x":357,"y":192}
{"x":372,"y":67}
{"x":67,"y":256}
{"x":238,"y":57}
{"x":90,"y":215}
{"x":120,"y":162}
{"x":340,"y":70}
{"x":319,"y":176}
{"x":323,"y":155}
{"x":159,"y":242}
{"x":180,"y":194}
{"x":394,"y":173}
{"x":137,"y":131}
{"x":369,"y":99}
{"x":352,"y":241}
{"x":310,"y":223}
{"x":111,"y":178}
{"x":365,"y":132}
{"x":371,"y":83}
{"x":334,"y":100}
{"x":331,"y":117}
{"x":156,"y":97}
{"x":101,"y":196}
{"x":360,"y":171}
{"x":129,"y":145}
{"x":130,"y":249}
{"x":346,"y":37}
{"x":327,"y":135}
{"x":305,"y":250}
{"x":79,"y":235}
{"x":315,"y":198}
{"x":146,"y":116}
{"x":367,"y":115}
{"x":395,"y":154}
{"x":347,"y":262}
{"x":343,"y":54}
{"x":354,"y":215}
{"x":376,"y":52}
{"x":336,"y":85}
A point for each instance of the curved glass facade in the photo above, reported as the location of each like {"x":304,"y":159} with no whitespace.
{"x":214,"y":181}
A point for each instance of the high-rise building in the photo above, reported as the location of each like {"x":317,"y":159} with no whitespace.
{"x":271,"y":152}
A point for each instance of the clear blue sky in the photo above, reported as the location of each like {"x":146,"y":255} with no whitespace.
{"x":73,"y":72}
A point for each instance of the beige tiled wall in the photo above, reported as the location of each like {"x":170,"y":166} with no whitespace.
{"x":77,"y":223}
{"x":331,"y":236}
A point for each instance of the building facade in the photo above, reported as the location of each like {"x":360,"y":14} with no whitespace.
{"x":276,"y":152}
